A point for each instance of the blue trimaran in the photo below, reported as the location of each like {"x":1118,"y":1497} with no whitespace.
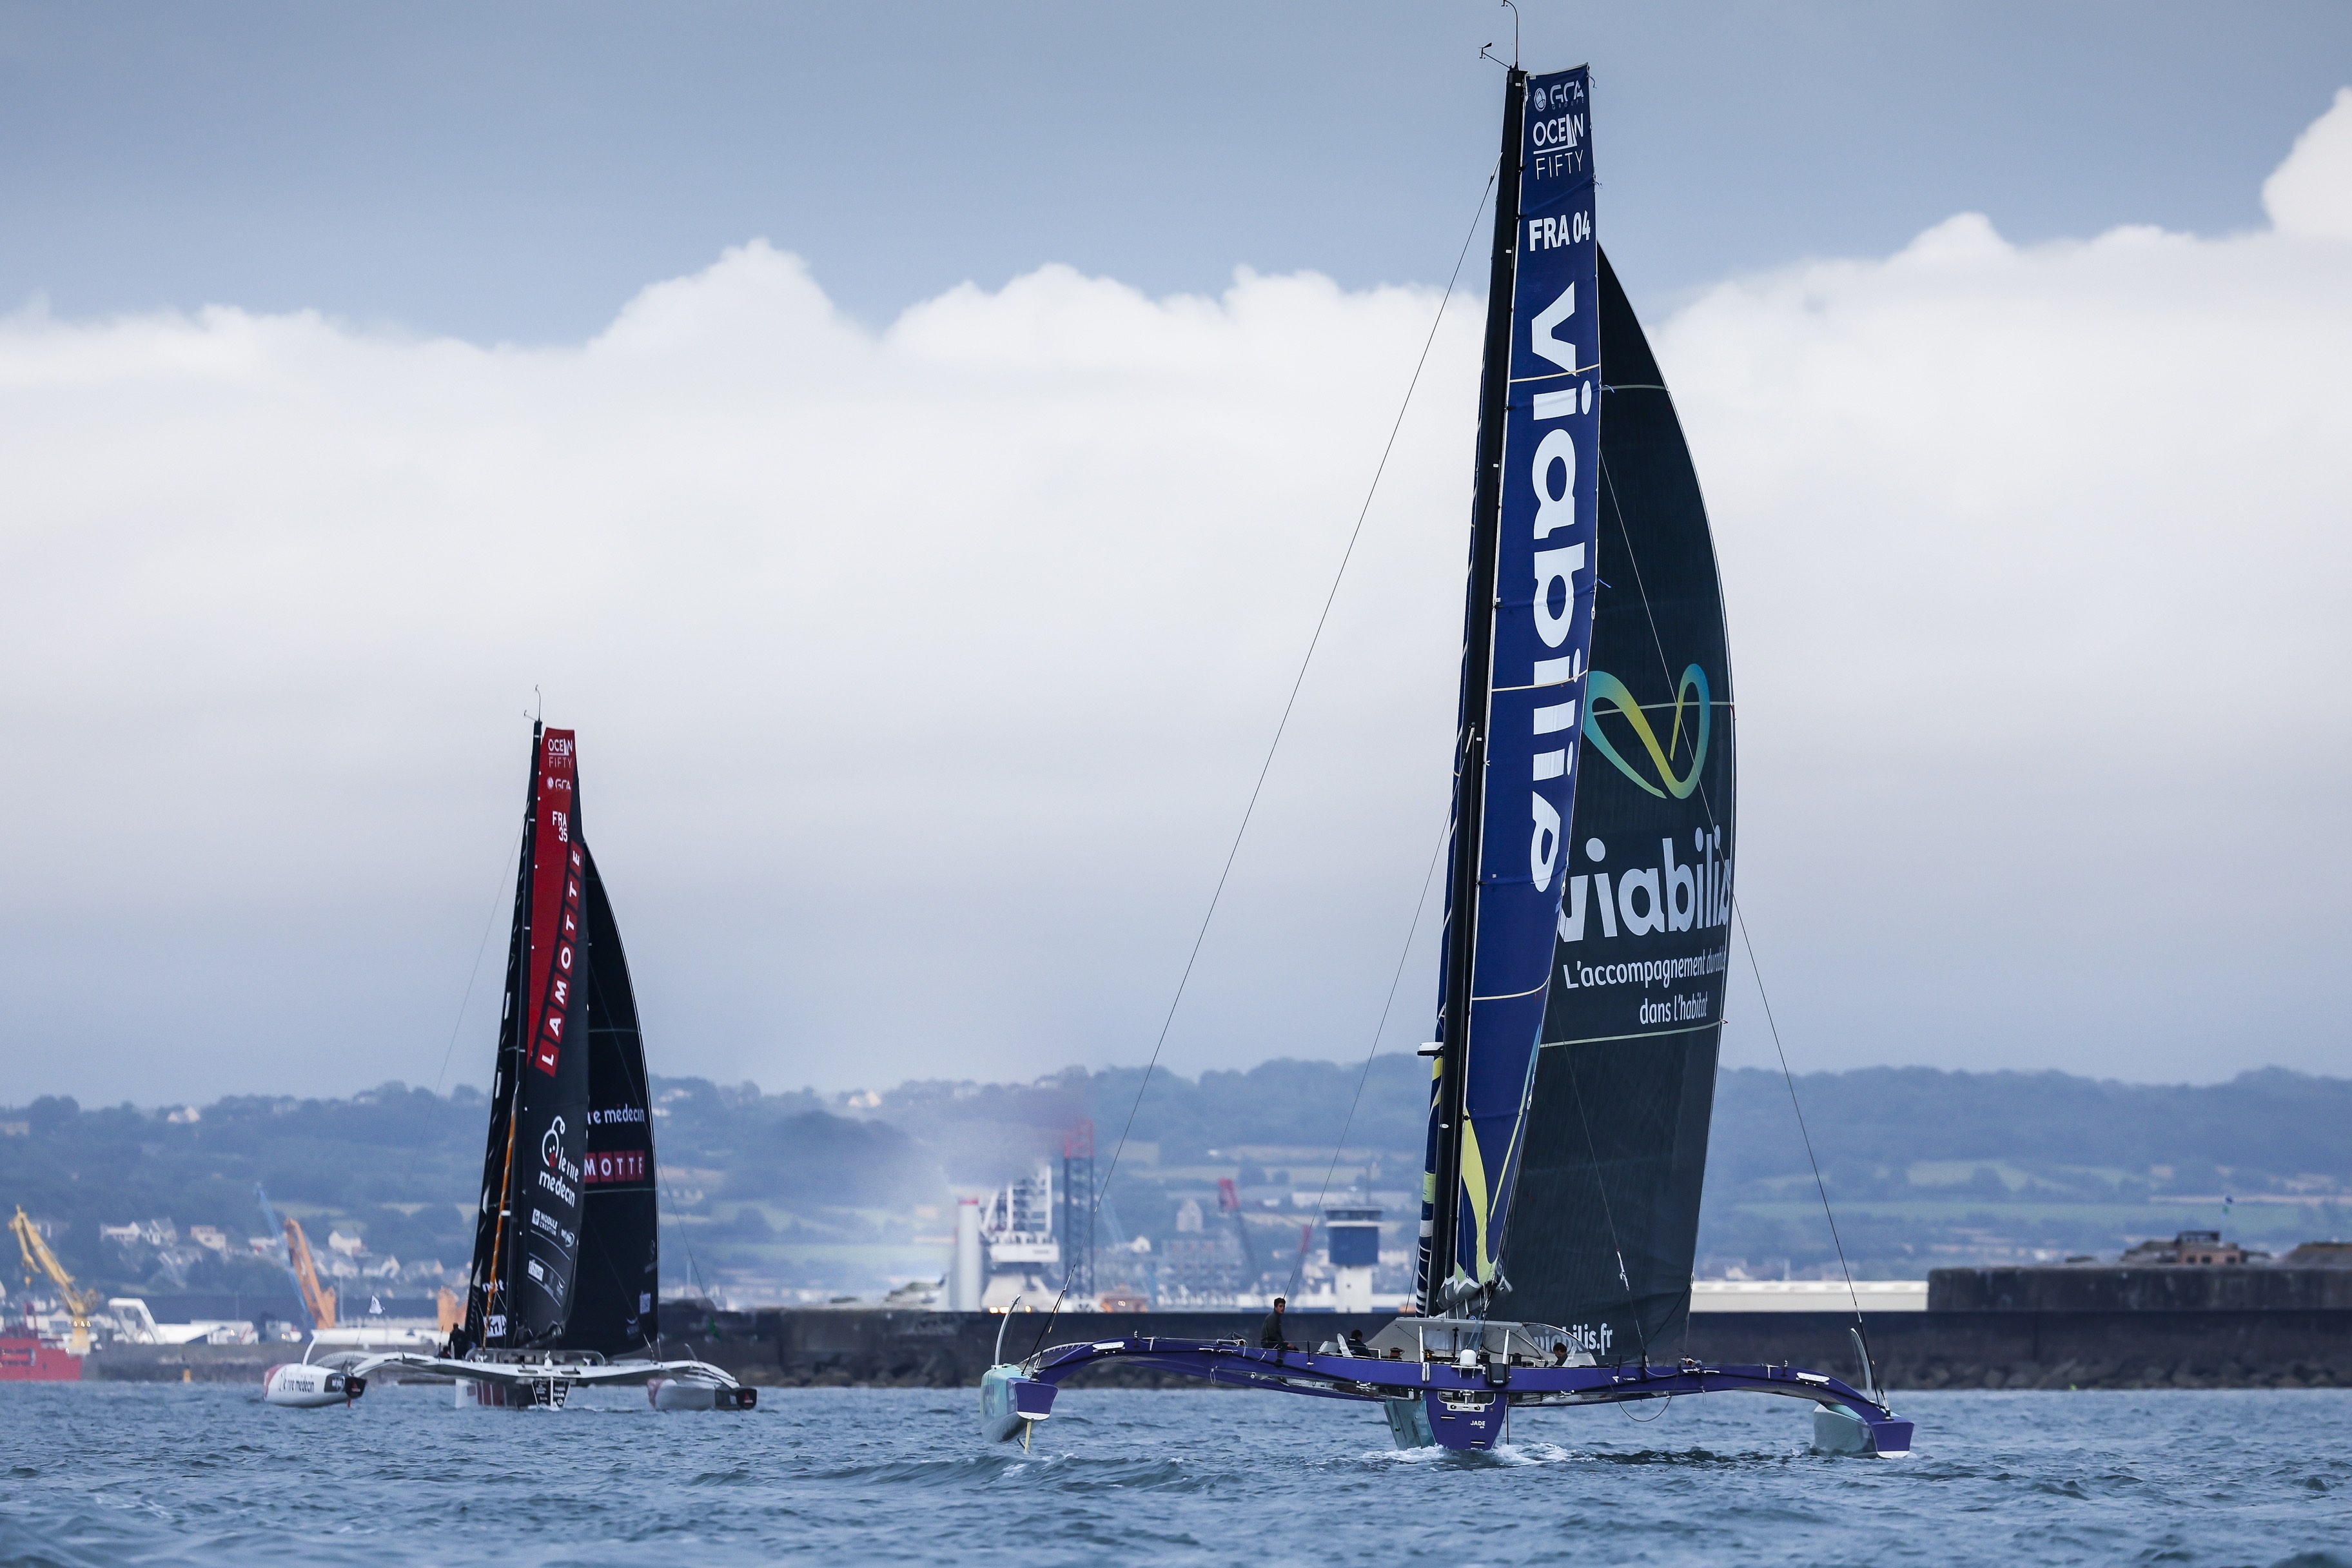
{"x":1589,"y":899}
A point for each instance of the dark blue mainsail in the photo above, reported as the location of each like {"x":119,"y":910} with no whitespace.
{"x":1526,"y":651}
{"x":1617,"y":1124}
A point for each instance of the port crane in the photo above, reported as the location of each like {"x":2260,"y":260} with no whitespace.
{"x":317,"y":1300}
{"x":80,"y":1305}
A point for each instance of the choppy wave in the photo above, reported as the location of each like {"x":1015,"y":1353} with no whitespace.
{"x":208,"y":1478}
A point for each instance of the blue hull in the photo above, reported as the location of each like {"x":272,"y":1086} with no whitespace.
{"x":1444,"y":1405}
{"x":1011,"y":1404}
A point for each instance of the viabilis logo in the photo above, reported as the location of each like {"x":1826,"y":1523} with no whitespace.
{"x":1605,"y":687}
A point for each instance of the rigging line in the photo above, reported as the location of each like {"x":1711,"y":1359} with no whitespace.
{"x":458,"y":1024}
{"x":1740,"y":915}
{"x":1788,"y":1078}
{"x":1298,"y":1268}
{"x":678,"y":1219}
{"x":1289,"y":704}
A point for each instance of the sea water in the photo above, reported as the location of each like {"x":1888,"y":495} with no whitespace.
{"x":208,"y":1475}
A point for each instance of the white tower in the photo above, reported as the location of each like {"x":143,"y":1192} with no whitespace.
{"x":1355,"y":1251}
{"x":964,"y":1276}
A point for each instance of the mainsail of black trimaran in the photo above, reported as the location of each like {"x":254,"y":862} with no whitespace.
{"x":566,"y":1255}
{"x":1586,"y":928}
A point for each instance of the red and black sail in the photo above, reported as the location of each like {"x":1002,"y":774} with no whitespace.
{"x":567,"y":1174}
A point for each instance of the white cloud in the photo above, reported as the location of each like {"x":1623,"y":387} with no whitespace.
{"x":2311,"y":193}
{"x":2038,"y":559}
{"x":920,"y":677}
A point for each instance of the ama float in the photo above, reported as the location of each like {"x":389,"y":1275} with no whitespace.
{"x":567,"y":1261}
{"x":1589,"y":894}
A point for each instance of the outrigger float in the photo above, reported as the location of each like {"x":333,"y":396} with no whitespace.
{"x":544,"y":1383}
{"x":1588,"y":893}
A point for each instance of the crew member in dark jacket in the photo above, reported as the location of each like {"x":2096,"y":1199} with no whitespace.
{"x":1269,"y":1333}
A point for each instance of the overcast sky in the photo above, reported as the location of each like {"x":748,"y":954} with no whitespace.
{"x":856,"y":423}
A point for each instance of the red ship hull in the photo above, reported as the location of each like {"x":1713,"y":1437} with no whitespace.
{"x":24,"y":1359}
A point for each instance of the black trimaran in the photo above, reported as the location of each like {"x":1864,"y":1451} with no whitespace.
{"x":567,"y":1254}
{"x":1589,"y":898}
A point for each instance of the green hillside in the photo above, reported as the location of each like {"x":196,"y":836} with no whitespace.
{"x":769,"y":1196}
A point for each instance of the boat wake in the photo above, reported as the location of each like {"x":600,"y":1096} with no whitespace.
{"x":1502,"y":1456}
{"x":1065,"y":1472}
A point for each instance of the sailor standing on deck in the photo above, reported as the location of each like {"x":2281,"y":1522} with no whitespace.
{"x":1269,"y":1333}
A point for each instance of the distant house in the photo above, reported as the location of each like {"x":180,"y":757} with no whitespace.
{"x":2201,"y":1249}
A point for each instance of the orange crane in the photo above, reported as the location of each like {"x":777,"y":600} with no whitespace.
{"x":80,"y":1305}
{"x":315,"y":1295}
{"x":317,"y":1300}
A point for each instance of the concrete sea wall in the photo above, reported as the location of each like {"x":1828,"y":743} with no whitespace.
{"x":1913,"y":1350}
{"x":1935,"y":1349}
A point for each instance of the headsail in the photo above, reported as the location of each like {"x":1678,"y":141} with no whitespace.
{"x":620,"y":1248}
{"x":1526,"y":648}
{"x":526,"y":1236}
{"x":1616,"y":1136}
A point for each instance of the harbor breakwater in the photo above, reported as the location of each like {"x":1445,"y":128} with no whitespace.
{"x":845,"y":1347}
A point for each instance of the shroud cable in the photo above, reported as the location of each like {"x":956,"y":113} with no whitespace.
{"x":1291,"y":703}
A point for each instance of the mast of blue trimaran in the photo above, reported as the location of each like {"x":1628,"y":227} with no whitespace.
{"x":1525,"y":646}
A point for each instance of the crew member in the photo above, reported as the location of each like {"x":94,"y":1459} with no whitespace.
{"x":1269,"y":1333}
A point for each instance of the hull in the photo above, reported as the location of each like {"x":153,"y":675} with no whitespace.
{"x":305,"y":1385}
{"x":1837,"y":1431}
{"x":1463,"y":1420}
{"x":1010,"y":1404}
{"x":1467,"y":1421}
{"x":1409,"y":1423}
{"x":24,"y":1359}
{"x":687,"y":1394}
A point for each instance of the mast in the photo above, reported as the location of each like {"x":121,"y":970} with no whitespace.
{"x":526,"y":1237}
{"x":1525,"y":645}
{"x":484,"y":1296}
{"x":1477,"y":685}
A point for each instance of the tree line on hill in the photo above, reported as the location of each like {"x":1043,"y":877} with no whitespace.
{"x":401,"y":1166}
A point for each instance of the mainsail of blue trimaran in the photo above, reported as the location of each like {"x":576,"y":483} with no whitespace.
{"x":1527,"y":650}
